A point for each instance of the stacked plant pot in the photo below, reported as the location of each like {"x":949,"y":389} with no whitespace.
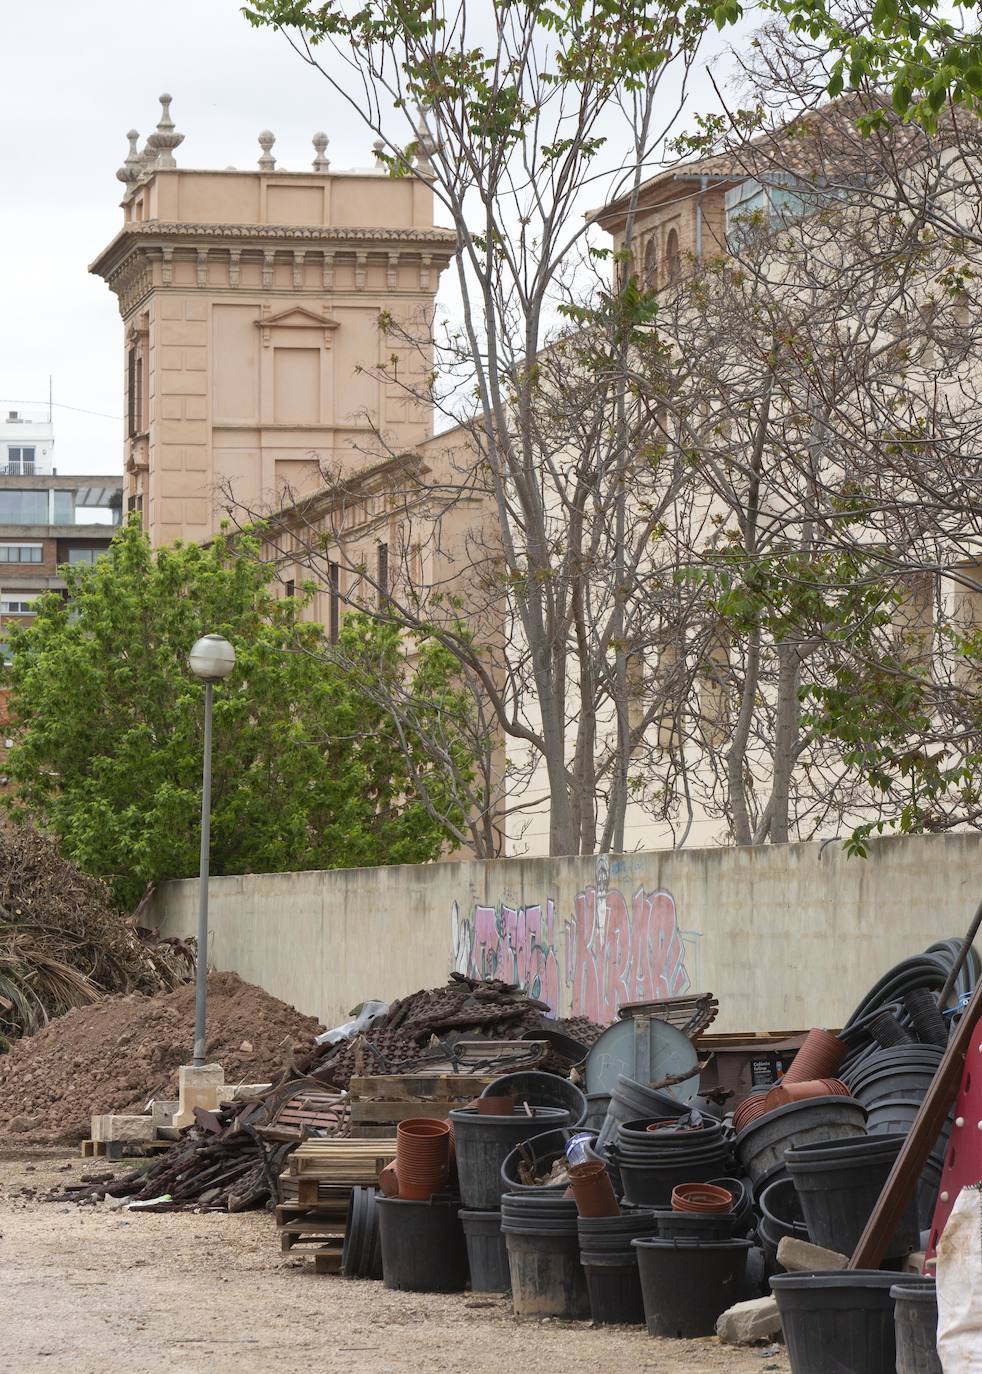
{"x":610,"y":1263}
{"x":508,"y":1116}
{"x":421,"y":1238}
{"x":761,"y":1146}
{"x":542,"y":1238}
{"x":838,"y":1183}
{"x":652,"y":1157}
{"x":632,"y":1101}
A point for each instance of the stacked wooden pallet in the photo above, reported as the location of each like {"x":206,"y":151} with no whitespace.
{"x":316,"y":1194}
{"x":380,"y":1101}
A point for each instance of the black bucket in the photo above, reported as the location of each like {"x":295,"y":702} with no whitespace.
{"x":916,"y":1321}
{"x":699,"y":1225}
{"x":760,"y":1146}
{"x":845,"y":1317}
{"x":614,"y":1286}
{"x":541,"y":1090}
{"x":839,"y":1183}
{"x":484,"y":1143}
{"x":423,"y":1247}
{"x":646,"y":1185}
{"x":361,"y":1257}
{"x":780,"y":1216}
{"x":631,"y":1100}
{"x":687,"y":1283}
{"x":547,"y":1278}
{"x":487,"y":1253}
{"x":538,"y":1155}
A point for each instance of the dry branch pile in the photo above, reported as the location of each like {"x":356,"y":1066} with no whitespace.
{"x":63,"y":943}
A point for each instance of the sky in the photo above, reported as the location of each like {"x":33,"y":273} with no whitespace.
{"x":73,"y":79}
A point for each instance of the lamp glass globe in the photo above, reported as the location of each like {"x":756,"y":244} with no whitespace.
{"x":212,"y":658}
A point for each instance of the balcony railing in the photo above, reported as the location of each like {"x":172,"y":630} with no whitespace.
{"x":23,"y":470}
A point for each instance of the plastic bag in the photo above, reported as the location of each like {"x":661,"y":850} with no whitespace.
{"x":367,"y":1013}
{"x":959,"y":1280}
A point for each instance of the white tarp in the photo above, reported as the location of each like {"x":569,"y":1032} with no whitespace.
{"x":959,"y":1276}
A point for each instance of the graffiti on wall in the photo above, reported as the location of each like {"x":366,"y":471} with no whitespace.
{"x":610,"y":950}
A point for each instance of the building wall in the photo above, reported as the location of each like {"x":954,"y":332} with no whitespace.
{"x":785,"y":936}
{"x":256,"y":362}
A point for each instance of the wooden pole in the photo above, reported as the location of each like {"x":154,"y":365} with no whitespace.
{"x":909,"y":1165}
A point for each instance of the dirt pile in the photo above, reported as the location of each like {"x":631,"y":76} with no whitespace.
{"x":115,"y":1055}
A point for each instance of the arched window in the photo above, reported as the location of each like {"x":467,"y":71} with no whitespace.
{"x":673,"y":262}
{"x":650,"y":265}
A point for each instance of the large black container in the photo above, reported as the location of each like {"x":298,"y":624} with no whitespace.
{"x":487,"y":1253}
{"x":651,"y":1163}
{"x":647,"y":1185}
{"x":687,"y":1283}
{"x":614,"y":1286}
{"x":547,"y":1278}
{"x":423,"y":1245}
{"x":541,"y":1090}
{"x":916,"y":1322}
{"x":780,"y":1216}
{"x":839,"y":1183}
{"x":361,"y":1257}
{"x":484,"y":1143}
{"x":760,"y":1146}
{"x":700,"y":1225}
{"x":838,"y":1323}
{"x":631,"y":1100}
{"x":538,"y":1155}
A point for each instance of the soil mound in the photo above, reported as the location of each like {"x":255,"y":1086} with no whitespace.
{"x":117,"y":1054}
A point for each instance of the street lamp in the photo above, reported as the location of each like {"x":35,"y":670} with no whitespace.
{"x":211,"y":660}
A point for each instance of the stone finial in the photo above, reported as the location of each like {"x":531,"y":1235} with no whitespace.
{"x":266,"y":140}
{"x":425,"y":147}
{"x":130,"y":171}
{"x":321,"y":163}
{"x":165,"y":138}
{"x":378,"y":149}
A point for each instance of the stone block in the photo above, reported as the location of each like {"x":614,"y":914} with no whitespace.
{"x":198,"y":1086}
{"x":800,"y":1257}
{"x":110,"y":1127}
{"x":748,"y":1322}
{"x":162,"y":1113}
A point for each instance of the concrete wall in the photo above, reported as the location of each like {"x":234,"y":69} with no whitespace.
{"x":786,"y":937}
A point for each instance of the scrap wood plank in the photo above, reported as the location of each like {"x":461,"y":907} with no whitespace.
{"x":917,"y":1146}
{"x":320,"y":1211}
{"x":388,"y":1113}
{"x":413,"y":1087}
{"x":327,"y":1261}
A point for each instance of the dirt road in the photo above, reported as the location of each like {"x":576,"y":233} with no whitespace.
{"x":92,"y":1291}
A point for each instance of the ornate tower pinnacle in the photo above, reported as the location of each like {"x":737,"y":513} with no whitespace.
{"x":321,"y":163}
{"x":130,"y":171}
{"x":266,"y":140}
{"x":165,"y":138}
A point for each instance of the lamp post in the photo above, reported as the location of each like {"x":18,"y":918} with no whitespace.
{"x":211,"y":660}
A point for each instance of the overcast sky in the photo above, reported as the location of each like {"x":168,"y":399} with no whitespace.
{"x":74,"y":77}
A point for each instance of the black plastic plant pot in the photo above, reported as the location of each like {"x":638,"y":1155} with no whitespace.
{"x":614,"y":1287}
{"x":649,"y":1186}
{"x":423,"y":1247}
{"x":839,"y":1184}
{"x":361,"y":1257}
{"x":547,"y":1278}
{"x":537,"y":1154}
{"x":916,"y":1324}
{"x":838,"y":1323}
{"x":686,"y":1284}
{"x":483,"y":1144}
{"x":760,"y":1146}
{"x":487,"y":1253}
{"x":699,"y":1225}
{"x":780,"y":1216}
{"x":541,"y":1090}
{"x":631,"y":1100}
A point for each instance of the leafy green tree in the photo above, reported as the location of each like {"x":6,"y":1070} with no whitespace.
{"x":308,"y":770}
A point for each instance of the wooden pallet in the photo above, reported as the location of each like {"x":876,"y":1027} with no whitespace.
{"x":348,"y":1163}
{"x":418,"y":1087}
{"x":120,"y":1149}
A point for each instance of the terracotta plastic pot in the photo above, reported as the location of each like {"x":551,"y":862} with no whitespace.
{"x":786,"y":1092}
{"x":388,"y":1181}
{"x":422,"y":1158}
{"x":819,"y":1057}
{"x":749,"y":1110}
{"x":593,"y":1190}
{"x":701,"y":1197}
{"x":495,"y":1106}
{"x":664,"y":1123}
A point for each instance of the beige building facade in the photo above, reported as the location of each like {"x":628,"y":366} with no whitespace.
{"x":270,"y":320}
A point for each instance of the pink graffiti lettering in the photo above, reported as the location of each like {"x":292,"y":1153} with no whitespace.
{"x":638,"y":956}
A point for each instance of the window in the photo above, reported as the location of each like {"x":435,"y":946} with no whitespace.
{"x":21,"y":553}
{"x":134,"y":389}
{"x":650,"y":265}
{"x":291,"y":587}
{"x":20,"y":461}
{"x":19,"y":603}
{"x":334,"y":612}
{"x":382,"y":572}
{"x":23,"y":507}
{"x":84,"y":555}
{"x":673,"y":261}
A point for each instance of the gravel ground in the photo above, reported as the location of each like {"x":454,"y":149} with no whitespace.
{"x":87,"y":1290}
